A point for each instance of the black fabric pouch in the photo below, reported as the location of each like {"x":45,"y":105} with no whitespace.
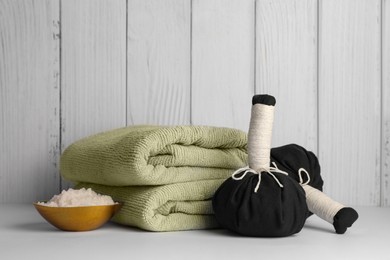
{"x":272,"y":211}
{"x":259,"y":200}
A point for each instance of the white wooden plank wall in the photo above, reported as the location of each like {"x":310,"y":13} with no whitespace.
{"x":222,"y":62}
{"x":29,"y":99}
{"x":158,"y":62}
{"x":93,"y":68}
{"x":349,"y":99}
{"x":286,"y":67}
{"x":385,"y":181}
{"x":169,"y":62}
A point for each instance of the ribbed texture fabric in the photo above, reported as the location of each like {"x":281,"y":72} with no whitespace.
{"x":172,"y":207}
{"x":155,"y":155}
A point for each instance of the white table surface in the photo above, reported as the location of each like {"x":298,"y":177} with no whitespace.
{"x":24,"y":234}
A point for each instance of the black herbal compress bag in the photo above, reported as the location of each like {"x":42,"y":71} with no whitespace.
{"x":291,"y":158}
{"x":261,"y":200}
{"x":303,"y":167}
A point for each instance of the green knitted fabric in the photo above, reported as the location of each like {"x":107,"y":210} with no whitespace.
{"x":155,"y":155}
{"x":172,"y":207}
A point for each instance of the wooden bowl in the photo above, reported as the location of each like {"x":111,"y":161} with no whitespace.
{"x":83,"y":218}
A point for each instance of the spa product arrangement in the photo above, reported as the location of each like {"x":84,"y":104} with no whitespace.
{"x":195,"y":177}
{"x":277,"y":207}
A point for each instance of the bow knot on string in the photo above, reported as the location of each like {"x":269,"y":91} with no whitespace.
{"x":240,"y":174}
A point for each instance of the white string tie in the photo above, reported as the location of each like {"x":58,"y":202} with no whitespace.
{"x":270,"y":170}
{"x":300,"y":176}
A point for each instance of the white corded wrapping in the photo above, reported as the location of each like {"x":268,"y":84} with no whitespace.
{"x":317,"y":202}
{"x":259,"y":145}
{"x":259,"y":136}
{"x":320,"y":204}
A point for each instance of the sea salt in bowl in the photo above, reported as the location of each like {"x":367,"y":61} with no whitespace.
{"x":78,"y":210}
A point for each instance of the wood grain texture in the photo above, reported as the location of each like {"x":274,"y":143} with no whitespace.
{"x":222,"y":62}
{"x":286,"y":67}
{"x":158,"y":62}
{"x":93,"y":65}
{"x":385,"y":180}
{"x":349,"y":103}
{"x":29,"y":100}
{"x":200,"y":62}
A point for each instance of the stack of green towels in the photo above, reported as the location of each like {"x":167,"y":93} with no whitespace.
{"x":165,"y":176}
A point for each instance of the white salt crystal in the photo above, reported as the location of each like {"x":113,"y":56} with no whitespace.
{"x":77,"y":198}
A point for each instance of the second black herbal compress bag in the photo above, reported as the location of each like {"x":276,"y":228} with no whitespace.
{"x":292,"y":157}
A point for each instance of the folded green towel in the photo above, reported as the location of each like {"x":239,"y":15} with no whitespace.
{"x":172,"y":207}
{"x":154,"y":155}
